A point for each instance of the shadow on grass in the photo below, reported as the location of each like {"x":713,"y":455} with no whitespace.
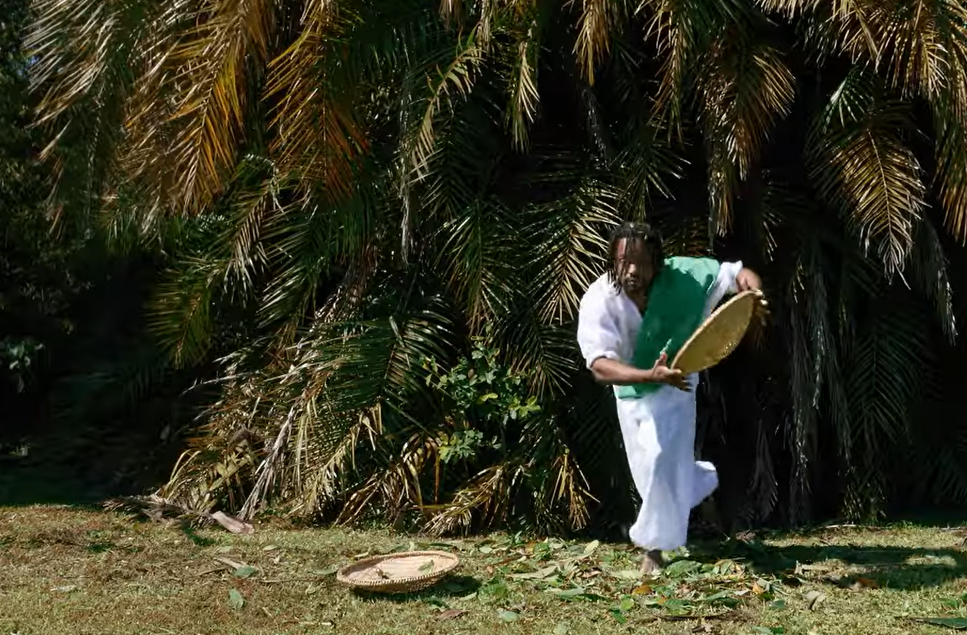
{"x":25,"y":482}
{"x":903,"y":568}
{"x":449,"y":587}
{"x":197,"y":539}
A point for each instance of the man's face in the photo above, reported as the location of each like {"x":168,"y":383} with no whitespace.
{"x":634,"y":267}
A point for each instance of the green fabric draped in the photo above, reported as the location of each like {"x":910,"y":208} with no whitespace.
{"x":675,"y":310}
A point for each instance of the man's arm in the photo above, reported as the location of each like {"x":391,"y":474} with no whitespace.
{"x":599,"y":339}
{"x":614,"y":373}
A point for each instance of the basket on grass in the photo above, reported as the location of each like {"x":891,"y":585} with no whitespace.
{"x":718,"y":335}
{"x":404,"y":572}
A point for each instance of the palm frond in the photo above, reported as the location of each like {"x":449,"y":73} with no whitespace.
{"x":445,"y":86}
{"x":745,"y":88}
{"x":599,"y":24}
{"x":930,"y":268}
{"x":570,"y":251}
{"x":882,"y":379}
{"x":181,"y":309}
{"x":478,"y":257}
{"x":523,"y":98}
{"x":863,"y":168}
{"x":681,"y":30}
{"x":215,"y":82}
{"x":318,"y":135}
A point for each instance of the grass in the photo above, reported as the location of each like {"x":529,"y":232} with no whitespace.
{"x":69,"y":570}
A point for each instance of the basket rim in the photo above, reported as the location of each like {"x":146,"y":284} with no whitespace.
{"x":452,"y":561}
{"x":743,"y":297}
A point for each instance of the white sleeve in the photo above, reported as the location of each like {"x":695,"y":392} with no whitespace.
{"x":597,"y":329}
{"x":724,"y":284}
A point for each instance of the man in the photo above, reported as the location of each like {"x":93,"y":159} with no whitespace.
{"x":632,"y":322}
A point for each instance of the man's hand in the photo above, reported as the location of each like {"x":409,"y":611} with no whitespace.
{"x":662,"y":374}
{"x":747,"y":280}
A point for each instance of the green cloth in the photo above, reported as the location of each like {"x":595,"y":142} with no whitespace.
{"x":676,"y":308}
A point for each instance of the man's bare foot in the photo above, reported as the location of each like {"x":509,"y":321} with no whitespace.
{"x":652,"y":563}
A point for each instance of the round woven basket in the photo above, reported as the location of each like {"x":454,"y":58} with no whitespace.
{"x":403,"y":572}
{"x":718,"y":335}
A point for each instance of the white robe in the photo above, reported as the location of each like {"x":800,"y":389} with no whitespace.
{"x":658,"y":429}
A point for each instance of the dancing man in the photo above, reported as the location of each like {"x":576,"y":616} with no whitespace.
{"x":631,"y":324}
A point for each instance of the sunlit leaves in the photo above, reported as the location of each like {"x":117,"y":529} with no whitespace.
{"x":600,"y":22}
{"x":319,"y":136}
{"x":863,"y":167}
{"x":745,"y":89}
{"x":570,"y":247}
{"x":478,"y":252}
{"x":523,"y":99}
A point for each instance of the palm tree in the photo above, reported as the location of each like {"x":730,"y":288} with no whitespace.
{"x":352,"y":192}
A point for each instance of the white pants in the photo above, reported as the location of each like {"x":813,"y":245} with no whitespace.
{"x":659,"y":437}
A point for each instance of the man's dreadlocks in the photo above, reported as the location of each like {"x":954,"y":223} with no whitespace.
{"x":644,"y":233}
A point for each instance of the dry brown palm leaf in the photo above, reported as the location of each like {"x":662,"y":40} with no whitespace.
{"x":524,"y":97}
{"x":745,"y":88}
{"x":327,"y":467}
{"x":600,"y":22}
{"x":569,"y":488}
{"x":446,"y":85}
{"x":216,"y":61}
{"x":489,"y":495}
{"x":676,"y":28}
{"x":862,"y":167}
{"x":318,"y":136}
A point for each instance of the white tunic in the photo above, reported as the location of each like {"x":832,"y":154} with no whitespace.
{"x":658,"y":429}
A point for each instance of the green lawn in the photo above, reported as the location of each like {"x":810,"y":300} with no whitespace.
{"x":69,"y":571}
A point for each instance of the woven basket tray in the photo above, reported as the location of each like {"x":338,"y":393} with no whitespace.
{"x":718,"y":335}
{"x":404,"y":572}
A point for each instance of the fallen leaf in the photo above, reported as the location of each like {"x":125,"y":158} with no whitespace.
{"x":955,"y":623}
{"x":235,"y":599}
{"x":865,"y":583}
{"x":644,"y":589}
{"x":627,"y":603}
{"x":486,"y":550}
{"x":326,"y":572}
{"x":561,"y":629}
{"x":540,"y":574}
{"x":245,"y":572}
{"x":591,"y":547}
{"x":508,"y":616}
{"x":681,"y":568}
{"x":758,"y":590}
{"x":618,"y":616}
{"x":627,"y":574}
{"x":65,"y":589}
{"x":815,"y":598}
{"x":567,"y":593}
{"x":232,"y":524}
{"x":231,"y":563}
{"x":450,"y":614}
